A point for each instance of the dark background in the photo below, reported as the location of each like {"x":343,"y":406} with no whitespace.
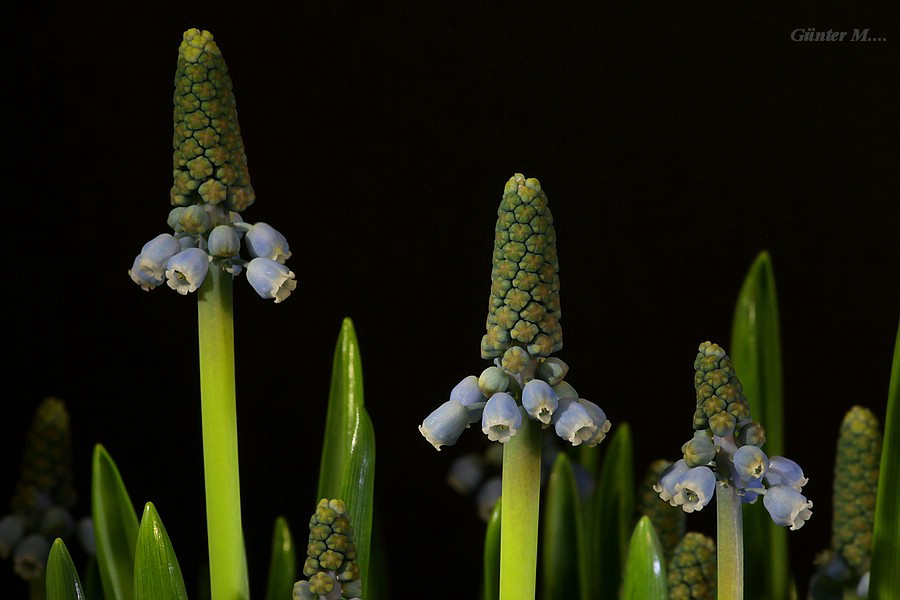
{"x":673,"y":144}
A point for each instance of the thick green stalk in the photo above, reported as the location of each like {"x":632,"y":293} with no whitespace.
{"x":227,"y":561}
{"x":729,"y":543}
{"x":519,"y":517}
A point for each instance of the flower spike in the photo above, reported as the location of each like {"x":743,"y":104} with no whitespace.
{"x":211,"y":186}
{"x":727,"y":447}
{"x":330,"y":567}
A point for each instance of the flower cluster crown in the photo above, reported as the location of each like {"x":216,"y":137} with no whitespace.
{"x":523,"y":329}
{"x":211,"y":187}
{"x":727,"y":447}
{"x":330,"y":569}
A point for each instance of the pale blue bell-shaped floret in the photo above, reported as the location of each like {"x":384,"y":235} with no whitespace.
{"x":600,"y":420}
{"x":187,"y":241}
{"x":30,"y":557}
{"x":12,"y":528}
{"x":787,"y":506}
{"x":501,"y":418}
{"x":149,"y":268}
{"x":224,"y":242}
{"x":85,"y":531}
{"x":488,"y":495}
{"x":444,"y":426}
{"x":695,"y":489}
{"x":699,"y":451}
{"x":264,"y":241}
{"x":56,"y":522}
{"x":186,"y":270}
{"x":666,"y":485}
{"x":786,"y":472}
{"x":573,"y":422}
{"x":271,"y":279}
{"x":467,"y":393}
{"x":750,"y":462}
{"x":862,"y":588}
{"x":564,"y":390}
{"x":539,"y":400}
{"x":750,"y":490}
{"x":493,"y":380}
{"x":552,"y":370}
{"x":466,"y":473}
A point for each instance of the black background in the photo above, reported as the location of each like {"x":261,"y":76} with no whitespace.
{"x":674,"y":144}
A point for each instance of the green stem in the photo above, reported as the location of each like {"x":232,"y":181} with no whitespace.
{"x":729,"y":543}
{"x":227,"y":561}
{"x":519,"y":517}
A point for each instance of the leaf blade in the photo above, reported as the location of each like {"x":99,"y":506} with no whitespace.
{"x":156,"y":571}
{"x":885,"y":577}
{"x":283,"y":562}
{"x":562,"y":546}
{"x":62,"y":578}
{"x":645,"y":569}
{"x":491,"y":589}
{"x":347,"y":466}
{"x":115,"y":527}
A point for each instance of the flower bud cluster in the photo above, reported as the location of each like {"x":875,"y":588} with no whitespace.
{"x":726,"y":447}
{"x":524,"y":302}
{"x":212,"y":186}
{"x":330,"y":569}
{"x":855,"y":485}
{"x":44,"y":495}
{"x":691,"y":572}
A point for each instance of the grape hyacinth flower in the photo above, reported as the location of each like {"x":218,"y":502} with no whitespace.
{"x":728,"y":441}
{"x":525,"y":390}
{"x":330,"y":568}
{"x":211,"y":187}
{"x":725,"y":455}
{"x":523,"y":329}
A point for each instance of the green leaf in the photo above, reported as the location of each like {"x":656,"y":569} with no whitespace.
{"x":283,"y":563}
{"x":756,"y":354}
{"x":115,"y":527}
{"x":492,"y":555}
{"x":379,"y":585}
{"x":609,"y":513}
{"x":645,"y":569}
{"x":562,"y":546}
{"x":347,"y":468}
{"x":62,"y":577}
{"x":156,"y":571}
{"x":93,"y":588}
{"x":885,"y":577}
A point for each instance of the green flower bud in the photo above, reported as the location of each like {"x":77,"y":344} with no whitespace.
{"x":721,"y":405}
{"x":194,"y":219}
{"x":667,"y":520}
{"x":855,"y":485}
{"x":207,"y":140}
{"x":515,"y":359}
{"x":524,"y":276}
{"x":699,"y":451}
{"x":692,"y":570}
{"x":492,"y":381}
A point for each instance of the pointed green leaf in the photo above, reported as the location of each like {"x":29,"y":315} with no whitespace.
{"x":379,"y":587}
{"x":61,"y":576}
{"x":156,"y":571}
{"x":609,"y":513}
{"x":93,"y":588}
{"x":347,"y":467}
{"x":645,"y":569}
{"x":283,"y":562}
{"x":885,"y":577}
{"x":115,"y":527}
{"x":491,"y":589}
{"x":756,"y":354}
{"x":562,"y":546}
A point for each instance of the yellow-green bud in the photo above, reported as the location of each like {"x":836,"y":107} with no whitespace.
{"x":692,"y":570}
